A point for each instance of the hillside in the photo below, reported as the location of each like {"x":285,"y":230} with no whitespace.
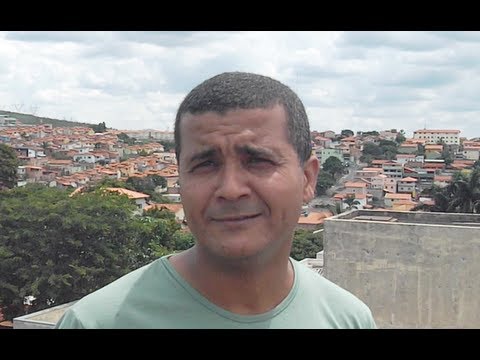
{"x":33,"y":120}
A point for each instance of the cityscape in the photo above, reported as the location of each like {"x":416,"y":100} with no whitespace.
{"x":384,"y":170}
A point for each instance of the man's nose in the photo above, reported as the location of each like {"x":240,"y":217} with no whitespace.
{"x":232,"y":183}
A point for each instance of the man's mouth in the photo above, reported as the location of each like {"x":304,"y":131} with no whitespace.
{"x":236,"y":218}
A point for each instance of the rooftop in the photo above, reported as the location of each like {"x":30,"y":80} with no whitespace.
{"x":410,"y":217}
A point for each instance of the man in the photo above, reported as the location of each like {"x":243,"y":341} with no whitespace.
{"x":245,"y":169}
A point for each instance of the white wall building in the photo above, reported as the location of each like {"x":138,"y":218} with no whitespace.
{"x":449,"y":137}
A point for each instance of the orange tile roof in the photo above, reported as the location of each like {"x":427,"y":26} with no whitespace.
{"x":355,"y":184}
{"x":131,"y":194}
{"x":433,"y":147}
{"x":372,"y":169}
{"x":409,"y":179}
{"x":407,"y":145}
{"x":380,"y":161}
{"x":395,"y":196}
{"x":445,"y":178}
{"x":433,"y":165}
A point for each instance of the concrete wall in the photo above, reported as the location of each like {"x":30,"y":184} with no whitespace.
{"x":43,"y":319}
{"x":413,"y":273}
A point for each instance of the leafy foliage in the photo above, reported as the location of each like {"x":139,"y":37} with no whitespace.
{"x":306,"y":244}
{"x":100,"y":128}
{"x":400,"y":138}
{"x":146,"y":184}
{"x":347,"y":133}
{"x":324,"y":182}
{"x":351,"y":202}
{"x":8,"y":167}
{"x":333,"y":166}
{"x":461,"y":196}
{"x":167,"y":145}
{"x":59,"y":248}
{"x":126,"y":139}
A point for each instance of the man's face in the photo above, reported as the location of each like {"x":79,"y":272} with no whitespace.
{"x":241,"y":182}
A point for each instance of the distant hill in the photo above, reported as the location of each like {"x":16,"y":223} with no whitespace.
{"x":34,"y":120}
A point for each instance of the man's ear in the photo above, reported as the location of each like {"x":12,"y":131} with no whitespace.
{"x":310,"y":173}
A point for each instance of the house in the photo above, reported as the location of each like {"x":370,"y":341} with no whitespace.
{"x":407,"y":148}
{"x":313,"y":220}
{"x":471,"y":153}
{"x":393,"y":170}
{"x":326,"y":153}
{"x":356,"y":187}
{"x":391,"y":199}
{"x":139,"y":198}
{"x":442,"y":180}
{"x":328,"y":134}
{"x":176,"y":209}
{"x":390,"y":185}
{"x":323,"y":141}
{"x":405,"y":158}
{"x":433,"y":151}
{"x":407,"y":185}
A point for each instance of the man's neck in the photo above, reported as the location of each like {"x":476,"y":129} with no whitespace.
{"x":248,"y":288}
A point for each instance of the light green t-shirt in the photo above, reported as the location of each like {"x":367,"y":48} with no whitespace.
{"x":156,"y":296}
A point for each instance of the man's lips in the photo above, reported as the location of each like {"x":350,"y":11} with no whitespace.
{"x":235,"y":218}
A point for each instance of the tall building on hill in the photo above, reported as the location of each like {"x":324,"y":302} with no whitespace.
{"x":449,"y":137}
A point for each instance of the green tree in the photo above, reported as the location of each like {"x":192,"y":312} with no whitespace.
{"x":167,"y":145}
{"x":461,"y":196}
{"x":324,"y":182}
{"x":370,"y":133}
{"x":347,"y":133}
{"x":8,"y":167}
{"x":465,"y":194}
{"x":447,"y":155}
{"x":146,"y":184}
{"x":421,"y":150}
{"x":58,"y":155}
{"x":58,"y":248}
{"x":351,"y":202}
{"x":100,"y":128}
{"x":400,"y":138}
{"x":126,"y":139}
{"x":333,"y":166}
{"x":306,"y":244}
{"x":370,"y":148}
{"x":107,"y":182}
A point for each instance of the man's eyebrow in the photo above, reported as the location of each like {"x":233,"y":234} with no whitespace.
{"x":205,"y":154}
{"x":255,"y":151}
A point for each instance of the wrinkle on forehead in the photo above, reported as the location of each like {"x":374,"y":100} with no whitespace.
{"x":246,"y":124}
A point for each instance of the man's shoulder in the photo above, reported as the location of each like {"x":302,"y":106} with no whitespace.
{"x":102,"y":305}
{"x":338,"y":300}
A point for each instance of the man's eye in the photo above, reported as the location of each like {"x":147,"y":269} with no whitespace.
{"x":203,"y":165}
{"x":259,"y":161}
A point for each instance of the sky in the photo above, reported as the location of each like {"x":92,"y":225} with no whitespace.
{"x":354,"y":80}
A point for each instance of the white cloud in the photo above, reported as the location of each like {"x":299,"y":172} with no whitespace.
{"x":349,"y":80}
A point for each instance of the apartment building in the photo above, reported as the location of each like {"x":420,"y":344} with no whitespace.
{"x":449,"y":137}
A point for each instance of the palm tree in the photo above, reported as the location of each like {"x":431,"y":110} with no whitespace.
{"x":461,"y":196}
{"x":441,"y":202}
{"x":351,"y":202}
{"x":466,"y":194}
